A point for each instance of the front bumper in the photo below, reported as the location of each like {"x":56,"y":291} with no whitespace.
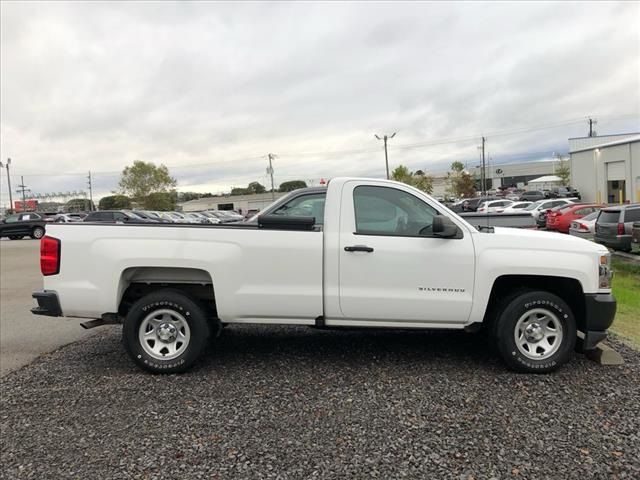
{"x":48,"y":304}
{"x":600,"y":310}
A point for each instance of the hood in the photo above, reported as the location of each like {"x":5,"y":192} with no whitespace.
{"x":518,"y":238}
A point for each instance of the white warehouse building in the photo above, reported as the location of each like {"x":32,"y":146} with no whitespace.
{"x":606,"y":169}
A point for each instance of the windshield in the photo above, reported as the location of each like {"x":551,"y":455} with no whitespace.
{"x":591,"y":216}
{"x":532,"y":206}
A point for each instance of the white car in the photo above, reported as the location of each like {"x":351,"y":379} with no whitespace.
{"x":539,"y":208}
{"x":494,"y":206}
{"x":387,"y":256}
{"x":584,"y":227}
{"x":517,"y":207}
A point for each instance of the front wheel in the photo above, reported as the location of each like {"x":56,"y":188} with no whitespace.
{"x":165,"y":332}
{"x":535,"y":332}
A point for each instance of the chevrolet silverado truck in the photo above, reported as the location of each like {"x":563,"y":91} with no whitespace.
{"x":360,"y":253}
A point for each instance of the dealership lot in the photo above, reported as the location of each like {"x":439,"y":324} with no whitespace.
{"x":24,"y":336}
{"x":271,"y":402}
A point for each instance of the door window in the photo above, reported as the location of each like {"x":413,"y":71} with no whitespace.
{"x":12,"y":219}
{"x":388,"y":211}
{"x":120,"y":217}
{"x":304,"y":206}
{"x":632,"y":215}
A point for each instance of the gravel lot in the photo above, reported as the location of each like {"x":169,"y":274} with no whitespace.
{"x":272,"y":402}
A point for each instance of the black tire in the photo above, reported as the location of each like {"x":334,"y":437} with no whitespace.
{"x":182,"y":306}
{"x":37,"y":233}
{"x":518,"y":358}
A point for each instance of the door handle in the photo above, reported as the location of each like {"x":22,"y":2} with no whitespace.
{"x":358,"y":248}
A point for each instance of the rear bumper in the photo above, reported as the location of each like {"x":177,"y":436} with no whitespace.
{"x":619,"y":242}
{"x":600,"y":310}
{"x":48,"y":304}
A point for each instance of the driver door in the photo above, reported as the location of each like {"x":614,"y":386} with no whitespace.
{"x":399,"y":271}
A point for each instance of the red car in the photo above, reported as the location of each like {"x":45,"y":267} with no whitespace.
{"x":561,"y":218}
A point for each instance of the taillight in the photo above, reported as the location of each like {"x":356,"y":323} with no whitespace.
{"x":583,"y":227}
{"x":49,"y":256}
{"x":621,"y":229}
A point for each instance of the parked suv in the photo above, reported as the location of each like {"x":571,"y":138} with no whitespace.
{"x":563,"y":192}
{"x":532,"y":196}
{"x":21,"y":225}
{"x":614,"y":226}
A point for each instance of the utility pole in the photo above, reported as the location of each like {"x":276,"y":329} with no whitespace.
{"x":386,"y":155}
{"x":23,"y":188}
{"x":592,"y":132}
{"x":9,"y":183}
{"x":90,"y":192}
{"x":484,"y":174}
{"x":270,"y":172}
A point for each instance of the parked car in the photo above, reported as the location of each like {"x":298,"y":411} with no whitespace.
{"x":195,"y":217}
{"x":69,"y":217}
{"x":517,"y":207}
{"x":20,"y":225}
{"x":212,"y":218}
{"x":563,"y":192}
{"x":365,"y":268}
{"x":532,"y":196}
{"x":635,"y":235}
{"x":585,"y":227}
{"x":614,"y":225}
{"x":494,"y":206}
{"x":472,"y":204}
{"x":560,"y":218}
{"x":116,"y":216}
{"x":539,"y":209}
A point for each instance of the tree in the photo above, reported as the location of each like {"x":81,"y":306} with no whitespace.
{"x":563,"y":170}
{"x":461,"y":183}
{"x":256,"y":187}
{"x":114,"y":202}
{"x":239,"y":191}
{"x":144,"y":178}
{"x":79,"y":205}
{"x":163,"y":201}
{"x":292,"y":185}
{"x":186,"y":196}
{"x":417,"y":179}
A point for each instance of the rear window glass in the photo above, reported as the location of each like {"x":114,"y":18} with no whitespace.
{"x":632,"y":215}
{"x":609,"y":217}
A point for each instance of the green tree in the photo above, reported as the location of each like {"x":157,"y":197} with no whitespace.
{"x":144,"y":178}
{"x":256,"y":187}
{"x":563,"y":170}
{"x":163,"y":201}
{"x":417,"y":179}
{"x":239,"y":191}
{"x":114,"y":202}
{"x":292,"y":185}
{"x":461,"y":183}
{"x":79,"y":205}
{"x":186,"y":196}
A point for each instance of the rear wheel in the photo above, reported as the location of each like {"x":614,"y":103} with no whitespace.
{"x":165,"y":332}
{"x":37,"y":233}
{"x":535,"y":332}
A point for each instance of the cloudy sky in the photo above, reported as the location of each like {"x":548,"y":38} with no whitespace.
{"x":210,"y":88}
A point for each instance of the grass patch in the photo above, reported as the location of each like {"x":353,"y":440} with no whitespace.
{"x":626,"y":288}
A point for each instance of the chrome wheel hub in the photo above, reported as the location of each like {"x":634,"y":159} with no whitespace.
{"x":164,"y":334}
{"x":538,"y":334}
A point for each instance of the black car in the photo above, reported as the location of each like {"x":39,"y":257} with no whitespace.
{"x":563,"y":192}
{"x":21,"y":225}
{"x":116,"y":216}
{"x":532,"y":196}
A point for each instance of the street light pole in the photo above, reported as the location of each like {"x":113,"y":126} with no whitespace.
{"x":270,"y":172}
{"x":9,"y":183}
{"x":386,"y":155}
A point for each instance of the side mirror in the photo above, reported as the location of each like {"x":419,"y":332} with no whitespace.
{"x":443,"y":227}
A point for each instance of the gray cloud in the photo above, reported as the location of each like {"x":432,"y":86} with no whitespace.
{"x":96,"y":85}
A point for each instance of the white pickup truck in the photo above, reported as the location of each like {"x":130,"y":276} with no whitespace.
{"x":359,"y":253}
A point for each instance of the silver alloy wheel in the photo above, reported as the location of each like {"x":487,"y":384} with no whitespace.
{"x":38,"y":232}
{"x":164,"y":334}
{"x":538,"y":334}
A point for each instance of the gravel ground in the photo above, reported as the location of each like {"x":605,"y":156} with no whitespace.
{"x":270,"y":402}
